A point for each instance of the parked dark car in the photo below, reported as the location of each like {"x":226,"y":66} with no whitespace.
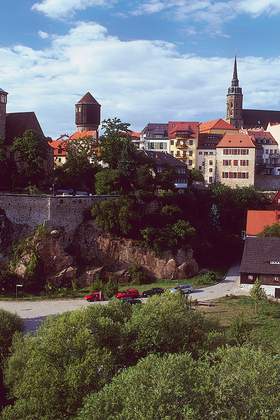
{"x":153,"y":291}
{"x":130,"y":301}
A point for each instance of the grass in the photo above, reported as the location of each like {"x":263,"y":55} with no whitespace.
{"x":263,"y":327}
{"x":196,"y":282}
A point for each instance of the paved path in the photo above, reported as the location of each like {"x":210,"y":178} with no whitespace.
{"x":33,"y":312}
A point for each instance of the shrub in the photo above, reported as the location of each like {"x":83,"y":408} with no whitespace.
{"x":138,"y":275}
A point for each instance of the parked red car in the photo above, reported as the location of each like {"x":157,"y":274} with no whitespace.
{"x":95,"y":296}
{"x":129,"y":293}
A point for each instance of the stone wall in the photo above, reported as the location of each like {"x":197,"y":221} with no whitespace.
{"x":54,"y":211}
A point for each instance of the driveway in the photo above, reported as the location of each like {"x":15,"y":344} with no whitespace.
{"x":34,"y":312}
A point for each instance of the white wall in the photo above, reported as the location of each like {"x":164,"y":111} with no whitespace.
{"x":269,"y":290}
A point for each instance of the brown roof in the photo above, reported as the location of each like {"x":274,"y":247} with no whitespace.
{"x":18,"y":122}
{"x":237,"y":140}
{"x":219,"y":124}
{"x":208,"y":140}
{"x":263,"y":137}
{"x":176,"y":128}
{"x":88,"y":99}
{"x":259,"y":118}
{"x":163,"y":159}
{"x":257,"y":220}
{"x":261,"y":256}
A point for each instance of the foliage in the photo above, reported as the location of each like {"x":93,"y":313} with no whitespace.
{"x":108,"y":181}
{"x":234,"y":383}
{"x":166,"y":324}
{"x":69,"y":356}
{"x":195,"y":176}
{"x":238,"y":332}
{"x":31,"y":154}
{"x":117,"y":216}
{"x":137,"y":275}
{"x":9,"y":325}
{"x":258,"y":294}
{"x":271,"y":231}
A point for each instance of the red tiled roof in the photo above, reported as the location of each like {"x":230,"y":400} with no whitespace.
{"x":237,"y":140}
{"x":88,"y":99}
{"x":180,"y":127}
{"x":219,"y":124}
{"x":82,"y":134}
{"x":59,"y":147}
{"x":257,"y":220}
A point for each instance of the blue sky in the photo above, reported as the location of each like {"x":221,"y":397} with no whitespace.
{"x":144,"y":60}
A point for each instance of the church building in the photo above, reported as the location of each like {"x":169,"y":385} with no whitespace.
{"x":246,"y":118}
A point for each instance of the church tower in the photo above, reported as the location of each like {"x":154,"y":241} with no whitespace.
{"x":235,"y":101}
{"x":3,"y":105}
{"x":88,"y":112}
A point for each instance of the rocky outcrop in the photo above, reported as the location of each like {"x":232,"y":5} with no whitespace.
{"x":45,"y":254}
{"x":97,"y":249}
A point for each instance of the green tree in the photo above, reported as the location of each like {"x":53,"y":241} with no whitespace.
{"x":9,"y":325}
{"x":258,"y":294}
{"x":8,"y":171}
{"x":49,"y":373}
{"x":31,"y":156}
{"x":271,"y":231}
{"x":168,"y":387}
{"x":166,"y":324}
{"x":108,"y":181}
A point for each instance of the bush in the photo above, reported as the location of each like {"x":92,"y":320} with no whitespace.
{"x":138,"y":275}
{"x":9,"y":325}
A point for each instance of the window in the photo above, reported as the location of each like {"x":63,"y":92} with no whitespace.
{"x":161,"y":146}
{"x":190,"y":162}
{"x":210,"y":162}
{"x":178,"y":153}
{"x":190,"y":142}
{"x":226,"y":162}
{"x":250,"y":277}
{"x":190,"y":153}
{"x":235,"y":162}
{"x":184,"y":153}
{"x":210,"y":169}
{"x":200,"y":167}
{"x":244,"y":163}
{"x":200,"y":153}
{"x":172,"y":142}
{"x":205,"y":153}
{"x":225,"y":175}
{"x":210,"y":179}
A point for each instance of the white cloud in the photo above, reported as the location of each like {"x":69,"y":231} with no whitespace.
{"x":64,"y":8}
{"x":43,"y":35}
{"x":139,"y":81}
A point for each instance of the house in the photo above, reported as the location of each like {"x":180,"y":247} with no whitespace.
{"x":257,"y":220}
{"x":218,"y":126}
{"x":154,"y":137}
{"x":206,"y":155}
{"x":261,"y":260}
{"x":235,"y":160}
{"x":183,"y":137}
{"x":163,"y":160}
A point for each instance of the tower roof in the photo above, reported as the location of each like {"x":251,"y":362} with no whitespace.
{"x":3,"y":91}
{"x":235,"y":81}
{"x":88,"y":99}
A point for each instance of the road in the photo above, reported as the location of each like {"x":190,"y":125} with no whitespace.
{"x":34,"y":312}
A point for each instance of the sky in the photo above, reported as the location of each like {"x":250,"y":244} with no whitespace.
{"x":143,"y":60}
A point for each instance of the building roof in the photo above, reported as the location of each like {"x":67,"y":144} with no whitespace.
{"x":261,"y":256}
{"x":208,"y":140}
{"x":59,"y":147}
{"x":262,"y":137}
{"x":82,"y":134}
{"x":18,"y":122}
{"x":88,"y":99}
{"x":237,"y":140}
{"x":219,"y":124}
{"x":164,"y":159}
{"x":259,"y":118}
{"x":257,"y":220}
{"x":156,"y":129}
{"x":3,"y":91}
{"x":176,"y":128}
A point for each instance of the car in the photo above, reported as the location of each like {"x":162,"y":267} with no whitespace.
{"x":65,"y":192}
{"x":95,"y":296}
{"x":153,"y":291}
{"x":130,"y":301}
{"x":185,"y":288}
{"x":82,"y":193}
{"x":129,"y":293}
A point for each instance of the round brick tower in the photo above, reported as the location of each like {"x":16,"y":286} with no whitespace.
{"x":3,"y":105}
{"x":88,"y":112}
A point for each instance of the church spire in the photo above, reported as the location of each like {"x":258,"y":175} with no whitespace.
{"x":235,"y":81}
{"x":235,"y":100}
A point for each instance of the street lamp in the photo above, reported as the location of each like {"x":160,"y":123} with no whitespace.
{"x":18,"y":285}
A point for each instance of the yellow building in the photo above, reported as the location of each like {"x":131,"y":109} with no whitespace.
{"x":183,"y":138}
